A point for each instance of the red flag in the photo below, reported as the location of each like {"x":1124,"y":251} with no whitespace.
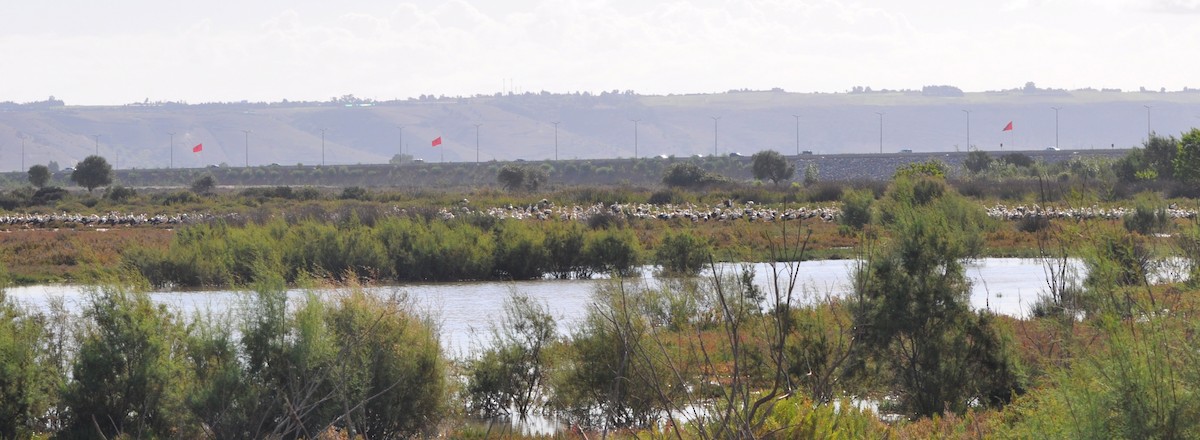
{"x":198,"y":148}
{"x":437,"y":141}
{"x":1008,"y":127}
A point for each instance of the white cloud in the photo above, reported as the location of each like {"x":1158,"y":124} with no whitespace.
{"x":315,"y":50}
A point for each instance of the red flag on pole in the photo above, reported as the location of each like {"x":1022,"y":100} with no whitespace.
{"x":437,"y":141}
{"x":1008,"y":127}
{"x":198,"y":148}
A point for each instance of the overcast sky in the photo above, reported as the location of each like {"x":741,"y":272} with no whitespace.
{"x":93,"y":52}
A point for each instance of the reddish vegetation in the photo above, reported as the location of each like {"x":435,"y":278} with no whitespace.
{"x":70,"y":254}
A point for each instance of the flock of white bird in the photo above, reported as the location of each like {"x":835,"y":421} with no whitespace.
{"x":725,"y":211}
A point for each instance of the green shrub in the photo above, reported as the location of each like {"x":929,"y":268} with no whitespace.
{"x":29,"y":383}
{"x":1149,"y":216}
{"x":511,"y":373}
{"x":119,"y":194}
{"x":856,"y":208}
{"x":912,"y":313}
{"x":564,"y":250}
{"x":48,"y":195}
{"x":682,"y":253}
{"x":605,"y":380}
{"x":520,"y":251}
{"x":616,"y":252}
{"x":126,"y":372}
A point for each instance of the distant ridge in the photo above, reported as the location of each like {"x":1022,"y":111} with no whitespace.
{"x":591,"y":126}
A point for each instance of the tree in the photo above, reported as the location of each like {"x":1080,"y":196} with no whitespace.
{"x":39,"y":175}
{"x":511,"y":373}
{"x":688,"y":174}
{"x":1160,"y":155}
{"x":682,"y":253}
{"x":912,"y":311}
{"x":811,"y":174}
{"x":204,"y":185}
{"x":977,"y":161}
{"x":770,"y":165}
{"x":515,"y":177}
{"x":512,"y":177}
{"x":93,"y":172}
{"x":124,"y":372}
{"x":400,"y":159}
{"x":1187,"y":160}
{"x":856,"y":208}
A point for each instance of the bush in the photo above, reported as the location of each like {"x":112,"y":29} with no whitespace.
{"x":912,"y":312}
{"x":612,"y":251}
{"x":826,"y":192}
{"x":605,"y":380}
{"x":564,"y":250}
{"x":354,"y":193}
{"x":1149,"y":216}
{"x":682,"y":254}
{"x":977,"y":161}
{"x":204,"y":185}
{"x":689,"y":175}
{"x":856,"y":208}
{"x":48,"y":195}
{"x":29,"y":383}
{"x":119,"y":194}
{"x":1017,"y":159}
{"x":520,"y":253}
{"x":125,"y":372}
{"x":665,"y":197}
{"x":511,"y":373}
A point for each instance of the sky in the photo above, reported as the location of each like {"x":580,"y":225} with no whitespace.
{"x":99,"y":53}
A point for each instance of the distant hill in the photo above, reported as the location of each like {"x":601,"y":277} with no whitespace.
{"x":519,"y":126}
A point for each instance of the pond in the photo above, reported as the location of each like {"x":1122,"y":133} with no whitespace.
{"x":467,"y":310}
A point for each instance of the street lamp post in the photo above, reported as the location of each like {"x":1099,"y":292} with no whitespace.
{"x":635,"y":139}
{"x":477,"y":143}
{"x":968,"y":112}
{"x":247,"y":132}
{"x":1148,"y":132}
{"x":797,"y":134}
{"x":715,"y":119}
{"x":555,"y":140}
{"x":1056,"y":109}
{"x":880,"y":131}
{"x":172,"y":150}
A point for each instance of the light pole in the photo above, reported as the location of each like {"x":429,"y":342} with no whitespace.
{"x":172,"y":150}
{"x":247,"y":132}
{"x":1056,"y":109}
{"x":97,"y":143}
{"x":635,"y":139}
{"x":402,"y":145}
{"x":1148,"y":132}
{"x":555,"y":140}
{"x":715,"y":119}
{"x":477,"y":143}
{"x":968,"y":112}
{"x":797,"y":134}
{"x":880,"y":131}
{"x":322,"y":147}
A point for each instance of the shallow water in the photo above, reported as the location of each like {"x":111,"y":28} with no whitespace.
{"x":466,"y":311}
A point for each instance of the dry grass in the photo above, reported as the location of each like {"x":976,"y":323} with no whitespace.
{"x":57,"y":255}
